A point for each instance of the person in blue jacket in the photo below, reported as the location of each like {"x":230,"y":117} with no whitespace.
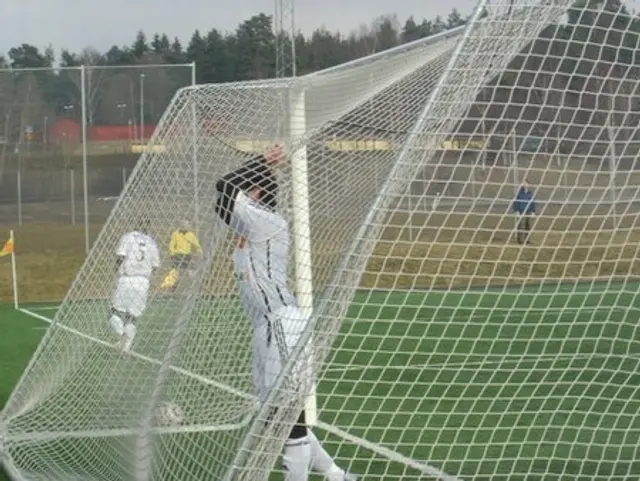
{"x":525,"y":207}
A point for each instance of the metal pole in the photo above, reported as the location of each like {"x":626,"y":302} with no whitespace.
{"x":141,"y":108}
{"x":277,"y":22}
{"x":294,"y":66}
{"x":612,"y":159}
{"x":72,"y":175}
{"x":44,"y":133}
{"x":612,"y":168}
{"x":14,"y":270}
{"x":19,"y":180}
{"x":85,"y":188}
{"x":194,"y":148}
{"x":301,"y":222}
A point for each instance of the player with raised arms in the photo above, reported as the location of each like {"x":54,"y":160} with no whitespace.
{"x":247,"y":200}
{"x":137,"y":257}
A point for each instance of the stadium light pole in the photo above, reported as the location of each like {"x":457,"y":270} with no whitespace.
{"x":121,"y":108}
{"x":294,"y":63}
{"x":85,"y":189}
{"x":612,"y":157}
{"x":141,"y":107}
{"x":194,"y":148}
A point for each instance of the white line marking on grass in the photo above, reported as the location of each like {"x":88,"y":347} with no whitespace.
{"x":179,"y":370}
{"x":510,"y":359}
{"x":424,"y":468}
{"x":42,"y":308}
{"x":486,"y":313}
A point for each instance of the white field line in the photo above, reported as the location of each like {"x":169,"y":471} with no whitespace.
{"x":510,"y":359}
{"x":184,"y":372}
{"x":376,"y":448}
{"x":42,"y":308}
{"x":496,"y":313}
{"x":424,"y":468}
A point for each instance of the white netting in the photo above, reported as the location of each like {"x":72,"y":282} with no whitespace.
{"x":442,"y":344}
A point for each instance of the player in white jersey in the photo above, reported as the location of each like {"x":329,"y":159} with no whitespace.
{"x":137,"y":257}
{"x":252,"y":307}
{"x":246,"y":203}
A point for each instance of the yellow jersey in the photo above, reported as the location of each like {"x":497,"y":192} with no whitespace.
{"x":183,"y":242}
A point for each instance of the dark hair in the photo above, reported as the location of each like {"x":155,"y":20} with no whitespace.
{"x":268,"y":187}
{"x":255,"y":174}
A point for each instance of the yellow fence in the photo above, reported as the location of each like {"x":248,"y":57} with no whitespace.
{"x":337,"y":145}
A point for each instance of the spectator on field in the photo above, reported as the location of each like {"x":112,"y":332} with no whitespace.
{"x":184,"y":244}
{"x":525,"y":208}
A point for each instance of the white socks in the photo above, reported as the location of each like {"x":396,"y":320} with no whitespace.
{"x":303,"y":454}
{"x":129,"y":334}
{"x":127,"y":330}
{"x":296,"y":459}
{"x":117,"y":324}
{"x":321,"y":462}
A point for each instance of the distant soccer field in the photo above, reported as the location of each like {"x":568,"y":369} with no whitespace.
{"x":535,"y":383}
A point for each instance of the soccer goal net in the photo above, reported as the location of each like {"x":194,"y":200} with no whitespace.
{"x":464,"y":219}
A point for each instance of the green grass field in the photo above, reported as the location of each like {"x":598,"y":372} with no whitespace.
{"x":535,"y":383}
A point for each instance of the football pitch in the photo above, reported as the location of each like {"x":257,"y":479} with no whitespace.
{"x":530,"y":383}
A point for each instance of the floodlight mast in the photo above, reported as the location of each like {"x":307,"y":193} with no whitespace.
{"x":285,"y":32}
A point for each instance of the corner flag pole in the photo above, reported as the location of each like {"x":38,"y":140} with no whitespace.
{"x":14,"y":274}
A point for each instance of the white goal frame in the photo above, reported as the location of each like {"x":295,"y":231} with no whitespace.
{"x":258,"y":427}
{"x":295,"y":145}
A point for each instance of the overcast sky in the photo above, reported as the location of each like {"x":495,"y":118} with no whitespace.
{"x":75,"y":24}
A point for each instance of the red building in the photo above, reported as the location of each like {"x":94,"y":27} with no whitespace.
{"x":64,"y":131}
{"x":69,"y":131}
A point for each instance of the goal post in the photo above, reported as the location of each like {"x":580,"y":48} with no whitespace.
{"x":451,"y":337}
{"x":301,"y":221}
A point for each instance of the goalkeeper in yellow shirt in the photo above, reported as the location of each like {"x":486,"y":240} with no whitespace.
{"x":184,"y":244}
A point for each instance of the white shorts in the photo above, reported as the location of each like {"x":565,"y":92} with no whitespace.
{"x":130,"y":295}
{"x":273,"y":342}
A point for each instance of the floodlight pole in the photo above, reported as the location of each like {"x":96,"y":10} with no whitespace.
{"x":282,"y":9}
{"x":142,"y":108}
{"x":194,"y":148}
{"x":294,"y":67}
{"x":85,"y":188}
{"x":612,"y":159}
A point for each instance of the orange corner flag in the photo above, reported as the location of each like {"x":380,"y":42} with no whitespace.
{"x":7,"y":248}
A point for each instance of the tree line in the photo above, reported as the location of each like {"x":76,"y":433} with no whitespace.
{"x":113,"y":78}
{"x":564,"y":68}
{"x":248,"y":53}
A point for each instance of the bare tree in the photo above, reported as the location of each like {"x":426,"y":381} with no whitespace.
{"x":91,"y":59}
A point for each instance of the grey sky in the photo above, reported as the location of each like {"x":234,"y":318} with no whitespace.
{"x":74,"y":24}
